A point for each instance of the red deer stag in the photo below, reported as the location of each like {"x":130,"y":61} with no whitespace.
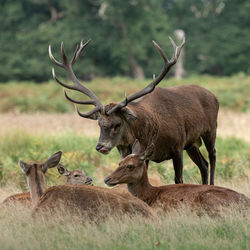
{"x":181,"y":116}
{"x":132,"y":170}
{"x":35,"y":175}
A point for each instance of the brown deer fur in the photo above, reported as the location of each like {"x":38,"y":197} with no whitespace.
{"x":177,"y":118}
{"x":75,"y":177}
{"x":122,"y":188}
{"x":133,"y":171}
{"x":90,"y":201}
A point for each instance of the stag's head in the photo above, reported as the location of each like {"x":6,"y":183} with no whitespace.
{"x":75,"y":177}
{"x":112,"y":118}
{"x":132,"y":167}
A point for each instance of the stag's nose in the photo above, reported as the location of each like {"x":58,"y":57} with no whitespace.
{"x":98,"y":147}
{"x":106,"y":180}
{"x":90,"y":179}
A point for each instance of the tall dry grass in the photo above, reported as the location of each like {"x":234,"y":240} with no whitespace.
{"x":175,"y":230}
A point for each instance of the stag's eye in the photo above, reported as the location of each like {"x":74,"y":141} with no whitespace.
{"x":130,"y":166}
{"x":117,"y":126}
{"x":76,"y":175}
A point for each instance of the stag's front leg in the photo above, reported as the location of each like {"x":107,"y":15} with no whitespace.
{"x":178,"y":167}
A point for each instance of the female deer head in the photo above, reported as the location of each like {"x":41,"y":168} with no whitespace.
{"x":35,"y":175}
{"x":75,"y":177}
{"x":132,"y":168}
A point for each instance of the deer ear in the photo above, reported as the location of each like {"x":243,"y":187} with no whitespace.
{"x":136,"y":148}
{"x":128,"y":114}
{"x":52,"y":161}
{"x":24,"y":166}
{"x":62,"y":170}
{"x":148,"y":152}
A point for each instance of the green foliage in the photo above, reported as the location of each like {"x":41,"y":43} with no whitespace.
{"x":121,"y":32}
{"x":217,"y":34}
{"x":233,"y":93}
{"x":233,"y":158}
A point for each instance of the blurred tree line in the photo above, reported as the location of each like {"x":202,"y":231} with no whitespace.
{"x":217,"y":36}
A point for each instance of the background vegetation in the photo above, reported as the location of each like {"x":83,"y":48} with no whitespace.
{"x":217,"y":34}
{"x":233,"y":158}
{"x":217,"y":44}
{"x":233,"y":92}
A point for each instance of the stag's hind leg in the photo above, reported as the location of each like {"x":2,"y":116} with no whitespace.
{"x":209,"y":140}
{"x":196,"y":156}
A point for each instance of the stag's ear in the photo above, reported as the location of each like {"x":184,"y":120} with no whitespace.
{"x":148,"y":152}
{"x":24,"y":166}
{"x":62,"y":170}
{"x":128,"y":114}
{"x":52,"y":161}
{"x":136,"y":148}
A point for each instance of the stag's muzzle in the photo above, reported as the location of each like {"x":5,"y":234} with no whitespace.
{"x":102,"y":149}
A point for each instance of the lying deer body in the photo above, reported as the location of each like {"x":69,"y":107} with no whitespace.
{"x":90,"y":202}
{"x":132,"y":170}
{"x":180,"y":116}
{"x":35,"y":175}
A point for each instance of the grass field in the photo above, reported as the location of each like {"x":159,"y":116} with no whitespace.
{"x":177,"y":230}
{"x":36,"y":121}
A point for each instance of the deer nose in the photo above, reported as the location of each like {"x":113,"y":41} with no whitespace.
{"x":106,"y":180}
{"x":98,"y":147}
{"x":90,"y":179}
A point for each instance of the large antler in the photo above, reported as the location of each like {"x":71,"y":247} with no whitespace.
{"x":67,"y":65}
{"x":167,"y":65}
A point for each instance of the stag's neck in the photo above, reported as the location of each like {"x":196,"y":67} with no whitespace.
{"x":143,"y":128}
{"x":143,"y":189}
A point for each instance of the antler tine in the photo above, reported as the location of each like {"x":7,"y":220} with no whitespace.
{"x":160,"y":50}
{"x":78,"y":50}
{"x":67,"y":65}
{"x":52,"y":58}
{"x":74,"y":55}
{"x":177,"y":49}
{"x":61,"y":83}
{"x":64,"y":57}
{"x":91,"y":114}
{"x":76,"y":101}
{"x":167,"y":65}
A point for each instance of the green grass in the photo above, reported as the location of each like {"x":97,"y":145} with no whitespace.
{"x":233,"y":158}
{"x":172,"y":231}
{"x":232,"y":92}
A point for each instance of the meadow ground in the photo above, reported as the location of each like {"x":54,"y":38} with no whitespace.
{"x":176,"y":230}
{"x":37,"y":121}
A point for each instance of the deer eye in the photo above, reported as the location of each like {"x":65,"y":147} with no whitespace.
{"x":117,"y":126}
{"x":76,"y":175}
{"x":130,"y":166}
